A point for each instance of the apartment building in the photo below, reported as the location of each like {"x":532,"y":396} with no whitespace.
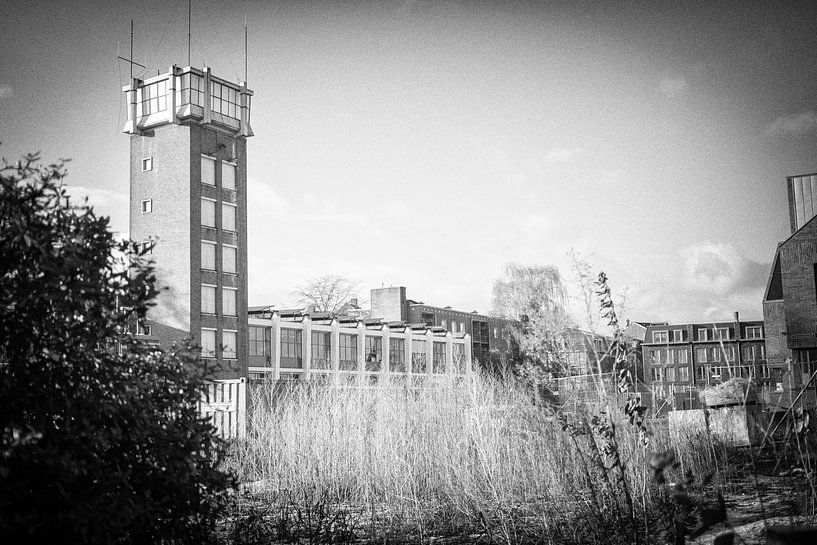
{"x":681,"y":359}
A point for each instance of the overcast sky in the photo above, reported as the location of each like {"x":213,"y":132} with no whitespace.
{"x":427,"y":144}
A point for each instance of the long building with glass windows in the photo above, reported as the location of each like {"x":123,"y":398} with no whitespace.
{"x":298,"y":345}
{"x":188,"y":208}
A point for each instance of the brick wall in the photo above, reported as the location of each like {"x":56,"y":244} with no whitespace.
{"x":798,"y":256}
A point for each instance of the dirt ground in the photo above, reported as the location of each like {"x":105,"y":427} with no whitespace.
{"x":754,"y":504}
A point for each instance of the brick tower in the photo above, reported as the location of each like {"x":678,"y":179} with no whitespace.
{"x":188,"y":204}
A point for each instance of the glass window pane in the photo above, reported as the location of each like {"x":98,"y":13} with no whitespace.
{"x":374,"y":353}
{"x":208,"y":343}
{"x":229,"y":339}
{"x":208,"y":171}
{"x":397,"y":355}
{"x":208,"y":299}
{"x":208,"y":213}
{"x":439,"y":357}
{"x":208,"y":256}
{"x":321,"y":350}
{"x":291,"y":349}
{"x":228,"y":302}
{"x":348,"y":352}
{"x":228,"y":261}
{"x":418,"y":356}
{"x":227,"y":217}
{"x":227,"y":176}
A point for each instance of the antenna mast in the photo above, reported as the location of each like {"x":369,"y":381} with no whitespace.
{"x":130,"y":60}
{"x":189,"y":9}
{"x":245,"y":48}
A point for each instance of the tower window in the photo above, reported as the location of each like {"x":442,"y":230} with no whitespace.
{"x":228,"y":258}
{"x":208,"y":170}
{"x":147,"y":206}
{"x":228,"y":216}
{"x":208,"y":343}
{"x":229,"y":342}
{"x":147,"y":164}
{"x":146,"y":248}
{"x":227,"y":175}
{"x":228,"y":296}
{"x":208,"y":212}
{"x":208,"y":299}
{"x":208,"y":255}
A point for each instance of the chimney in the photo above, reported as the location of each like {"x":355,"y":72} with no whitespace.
{"x":737,"y":325}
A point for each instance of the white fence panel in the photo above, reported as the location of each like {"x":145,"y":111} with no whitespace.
{"x":225,"y":403}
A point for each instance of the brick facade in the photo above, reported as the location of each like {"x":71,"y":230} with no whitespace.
{"x":168,"y":139}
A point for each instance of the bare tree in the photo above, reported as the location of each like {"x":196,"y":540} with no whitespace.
{"x":535,"y":297}
{"x":527,"y":290}
{"x":328,"y":293}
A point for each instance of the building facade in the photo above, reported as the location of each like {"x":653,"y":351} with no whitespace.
{"x":298,"y":345}
{"x":487,"y":333}
{"x":681,"y":359}
{"x":188,"y":208}
{"x":802,"y":193}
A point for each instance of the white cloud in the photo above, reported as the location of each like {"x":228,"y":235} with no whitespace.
{"x":793,"y":124}
{"x":266,"y":205}
{"x":6,"y":92}
{"x":562,"y":155}
{"x":672,"y":87}
{"x":713,"y":267}
{"x":98,"y":197}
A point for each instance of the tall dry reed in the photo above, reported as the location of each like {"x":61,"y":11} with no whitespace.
{"x":472,"y":457}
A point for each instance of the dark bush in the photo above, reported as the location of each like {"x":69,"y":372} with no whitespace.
{"x":96,"y":447}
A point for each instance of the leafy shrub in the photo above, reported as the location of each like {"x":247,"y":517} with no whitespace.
{"x":95,"y":447}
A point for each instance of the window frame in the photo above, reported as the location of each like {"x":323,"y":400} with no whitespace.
{"x":291,"y":341}
{"x":397,"y":355}
{"x":225,"y":205}
{"x":254,"y":341}
{"x":224,"y":291}
{"x":234,"y":168}
{"x":147,"y":164}
{"x":225,"y":354}
{"x":213,"y":289}
{"x":439,"y":362}
{"x":146,"y":206}
{"x":348,"y":346}
{"x":320,"y":339}
{"x":223,"y":259}
{"x":375,"y":349}
{"x":205,"y":351}
{"x":754,"y":331}
{"x":419,"y":359}
{"x":209,"y":202}
{"x":212,"y":161}
{"x":214,"y":246}
{"x":660,"y":336}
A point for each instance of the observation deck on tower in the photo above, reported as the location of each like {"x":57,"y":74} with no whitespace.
{"x":188,"y":96}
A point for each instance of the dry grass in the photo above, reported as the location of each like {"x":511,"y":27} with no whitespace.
{"x":475,"y":459}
